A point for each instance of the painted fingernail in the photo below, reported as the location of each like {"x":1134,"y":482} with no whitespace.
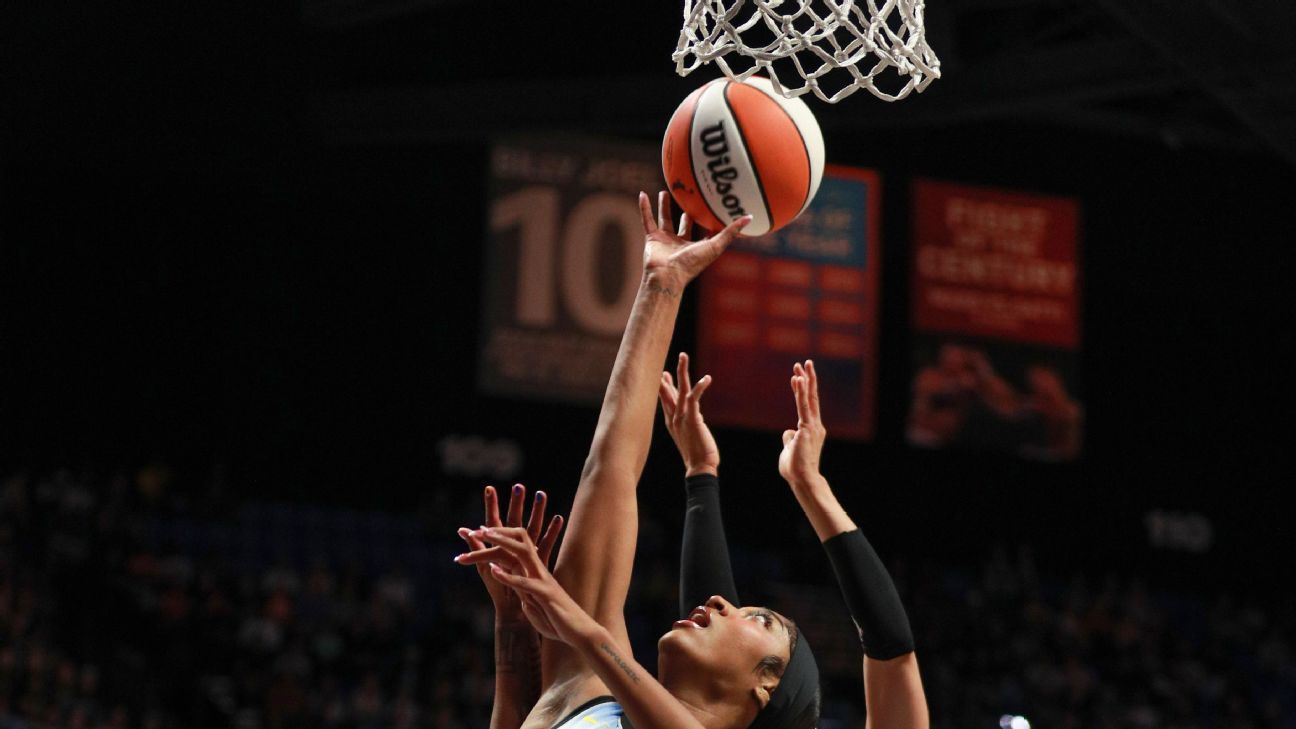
{"x":517,"y":488}
{"x":458,"y":557}
{"x":540,"y":496}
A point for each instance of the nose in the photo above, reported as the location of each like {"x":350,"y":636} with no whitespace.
{"x":719,"y":604}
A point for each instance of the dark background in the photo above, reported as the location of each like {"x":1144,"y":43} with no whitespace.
{"x":253,"y":238}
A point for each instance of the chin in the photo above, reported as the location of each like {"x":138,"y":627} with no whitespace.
{"x":670,"y":642}
{"x":674,"y":651}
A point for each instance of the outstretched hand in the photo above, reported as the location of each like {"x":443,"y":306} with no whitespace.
{"x":799,"y":461}
{"x":682,"y":409}
{"x":508,"y":605}
{"x":670,"y":258}
{"x":514,"y":561}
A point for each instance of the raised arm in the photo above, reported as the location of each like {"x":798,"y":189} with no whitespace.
{"x":517,"y":644}
{"x":704,"y":554}
{"x":597,"y":556}
{"x":893,"y":690}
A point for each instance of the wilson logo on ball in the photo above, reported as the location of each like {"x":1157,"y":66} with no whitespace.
{"x":716,"y":147}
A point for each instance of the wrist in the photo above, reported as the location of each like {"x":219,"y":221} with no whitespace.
{"x":809,"y":485}
{"x":663,"y":281}
{"x":702,"y":469}
{"x":512,"y":622}
{"x":589,"y":635}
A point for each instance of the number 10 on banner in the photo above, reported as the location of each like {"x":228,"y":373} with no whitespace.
{"x":563,"y":257}
{"x":566,"y":257}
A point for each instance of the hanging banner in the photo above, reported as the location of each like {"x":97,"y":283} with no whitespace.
{"x":808,"y":291}
{"x":996,"y":316}
{"x":564,"y":259}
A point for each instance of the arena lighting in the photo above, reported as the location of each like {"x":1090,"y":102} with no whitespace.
{"x":1008,"y":721}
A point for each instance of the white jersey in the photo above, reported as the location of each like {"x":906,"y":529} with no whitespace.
{"x":606,"y":714}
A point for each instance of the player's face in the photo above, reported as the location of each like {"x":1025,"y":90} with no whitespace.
{"x":719,"y":647}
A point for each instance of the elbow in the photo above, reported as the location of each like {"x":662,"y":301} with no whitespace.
{"x":599,"y":469}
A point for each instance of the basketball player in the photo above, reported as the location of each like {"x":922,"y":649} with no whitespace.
{"x":729,"y":669}
{"x":594,"y":563}
{"x":892,"y":686}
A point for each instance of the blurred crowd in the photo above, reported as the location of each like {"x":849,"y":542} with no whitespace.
{"x":123,"y":604}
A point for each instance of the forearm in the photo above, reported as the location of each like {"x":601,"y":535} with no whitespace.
{"x":821,"y":507}
{"x":893,"y":689}
{"x":705,"y":569}
{"x":646,"y":703}
{"x":517,"y":673}
{"x":624,"y":429}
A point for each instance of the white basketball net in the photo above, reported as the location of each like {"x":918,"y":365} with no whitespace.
{"x":864,"y":37}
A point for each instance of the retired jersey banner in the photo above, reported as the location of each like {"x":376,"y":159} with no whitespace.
{"x":564,"y":260}
{"x":996,"y":316}
{"x":808,"y":291}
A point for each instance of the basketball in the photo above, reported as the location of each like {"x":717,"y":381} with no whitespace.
{"x":734,"y":149}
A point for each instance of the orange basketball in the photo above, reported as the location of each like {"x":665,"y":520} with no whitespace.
{"x":734,"y":149}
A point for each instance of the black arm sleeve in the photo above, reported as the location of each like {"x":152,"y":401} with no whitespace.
{"x":871,"y":596}
{"x":704,"y":555}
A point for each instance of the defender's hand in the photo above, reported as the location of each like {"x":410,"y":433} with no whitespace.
{"x":683,"y":414}
{"x":799,"y":461}
{"x":670,"y":259}
{"x":514,"y":561}
{"x":508,"y":606}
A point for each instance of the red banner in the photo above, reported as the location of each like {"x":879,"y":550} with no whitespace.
{"x":996,"y":313}
{"x":809,"y":291}
{"x":996,"y":264}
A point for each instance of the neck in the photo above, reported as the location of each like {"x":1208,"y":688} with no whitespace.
{"x":713,"y":713}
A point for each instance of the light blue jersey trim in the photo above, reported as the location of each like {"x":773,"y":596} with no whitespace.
{"x":606,"y":715}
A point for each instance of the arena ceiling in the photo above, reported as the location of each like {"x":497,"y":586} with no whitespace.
{"x":1201,"y":73}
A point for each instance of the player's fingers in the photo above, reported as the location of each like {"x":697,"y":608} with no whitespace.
{"x":645,"y":212}
{"x":474,"y":543}
{"x":517,"y":501}
{"x":685,"y":226}
{"x":695,"y":397}
{"x":513,"y":540}
{"x":550,"y":538}
{"x":536,"y":522}
{"x":788,"y":435}
{"x":803,"y":402}
{"x":514,"y":580}
{"x":669,"y":396}
{"x":491,"y":501}
{"x":663,"y":210}
{"x":797,"y":385}
{"x":682,"y":376}
{"x":668,"y":409}
{"x":722,"y":239}
{"x":489,"y":554}
{"x":812,"y":382}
